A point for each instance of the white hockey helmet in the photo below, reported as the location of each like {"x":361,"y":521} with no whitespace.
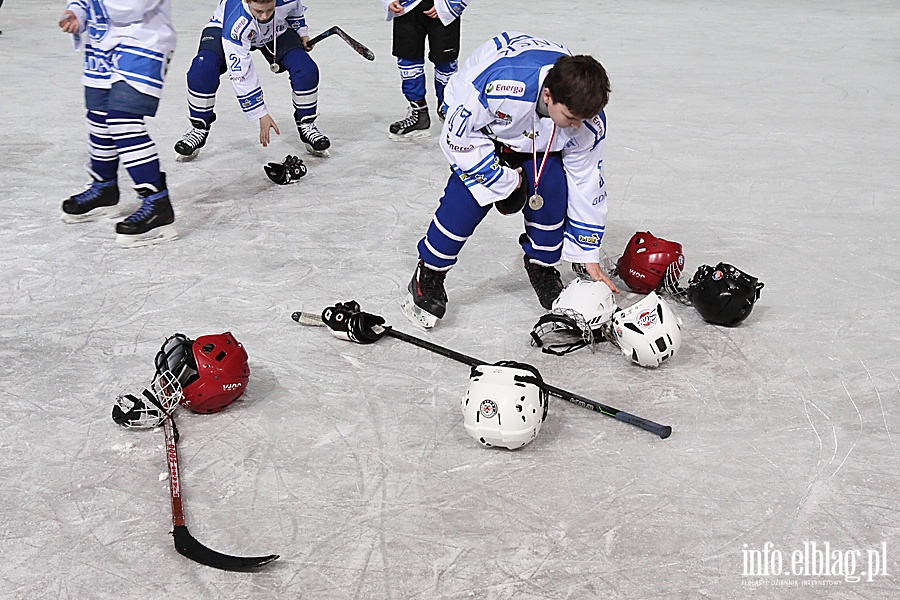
{"x":582,"y":309}
{"x":593,"y":300}
{"x":647,"y":332}
{"x":504,"y":404}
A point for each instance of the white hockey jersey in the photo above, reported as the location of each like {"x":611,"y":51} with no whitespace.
{"x":240,"y":33}
{"x":138,"y":32}
{"x":447,"y":10}
{"x":494,"y":97}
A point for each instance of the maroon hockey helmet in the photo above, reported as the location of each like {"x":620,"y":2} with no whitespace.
{"x":212,"y":369}
{"x":649,"y":262}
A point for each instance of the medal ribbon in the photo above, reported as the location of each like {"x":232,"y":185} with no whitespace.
{"x":539,"y":173}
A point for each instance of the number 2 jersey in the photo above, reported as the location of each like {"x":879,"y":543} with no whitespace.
{"x":493,"y":98}
{"x":241,"y":32}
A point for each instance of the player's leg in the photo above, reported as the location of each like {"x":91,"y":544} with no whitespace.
{"x":544,"y":228}
{"x":454,"y":221}
{"x":137,"y":83}
{"x":409,"y":48}
{"x":203,"y":79}
{"x":443,"y":52}
{"x":304,"y":75}
{"x":101,"y":198}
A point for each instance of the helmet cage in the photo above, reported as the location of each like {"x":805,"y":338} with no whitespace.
{"x":559,"y":327}
{"x":152,"y":406}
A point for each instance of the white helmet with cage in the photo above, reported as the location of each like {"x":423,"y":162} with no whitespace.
{"x":647,"y":332}
{"x":504,"y":404}
{"x":583,"y":308}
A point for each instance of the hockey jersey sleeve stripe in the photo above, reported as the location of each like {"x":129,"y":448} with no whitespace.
{"x":252,"y":100}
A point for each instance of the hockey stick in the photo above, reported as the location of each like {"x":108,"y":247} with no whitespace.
{"x":663,"y":431}
{"x":185,"y":543}
{"x":357,"y":47}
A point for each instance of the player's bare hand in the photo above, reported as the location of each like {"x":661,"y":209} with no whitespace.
{"x":306,"y":46}
{"x":395,"y":7}
{"x":597,"y":274}
{"x":69,"y":22}
{"x":266,"y":124}
{"x":431,"y":12}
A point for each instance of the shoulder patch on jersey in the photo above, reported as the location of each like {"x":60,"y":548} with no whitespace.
{"x":598,"y":123}
{"x":505,"y":87}
{"x":238,"y":27}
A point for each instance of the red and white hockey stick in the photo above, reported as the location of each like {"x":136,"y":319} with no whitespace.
{"x":185,"y":543}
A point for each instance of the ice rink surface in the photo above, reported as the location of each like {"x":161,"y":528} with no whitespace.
{"x":764,"y":134}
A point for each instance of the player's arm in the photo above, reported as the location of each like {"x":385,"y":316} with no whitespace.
{"x":472,"y":154}
{"x":245,"y":81}
{"x":74,"y":18}
{"x":587,"y":207}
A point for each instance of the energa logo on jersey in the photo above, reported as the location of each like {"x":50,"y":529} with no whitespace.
{"x":505,"y":87}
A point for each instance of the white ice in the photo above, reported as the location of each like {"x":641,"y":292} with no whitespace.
{"x":760,"y":133}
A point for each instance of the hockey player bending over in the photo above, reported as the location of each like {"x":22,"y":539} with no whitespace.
{"x":278,"y":30}
{"x":525,"y":130}
{"x":125,"y":57}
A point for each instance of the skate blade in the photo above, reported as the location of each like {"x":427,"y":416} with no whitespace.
{"x":98,"y":214}
{"x":187,"y":157}
{"x":317,"y":153}
{"x":418,"y":133}
{"x":417,"y":316}
{"x":154,"y":236}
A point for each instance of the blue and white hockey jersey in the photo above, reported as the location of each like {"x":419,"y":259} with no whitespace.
{"x":494,"y":97}
{"x":241,"y":32}
{"x":447,"y":10}
{"x":128,"y":40}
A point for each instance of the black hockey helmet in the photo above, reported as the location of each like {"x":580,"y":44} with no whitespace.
{"x":723,"y":295}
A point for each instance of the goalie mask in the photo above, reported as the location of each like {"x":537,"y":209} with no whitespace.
{"x":504,"y":405}
{"x":723,"y":295}
{"x":647,"y":332}
{"x":581,"y":311}
{"x":212,"y":370}
{"x":650,"y":263}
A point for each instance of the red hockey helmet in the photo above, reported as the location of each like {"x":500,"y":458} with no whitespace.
{"x":647,"y":260}
{"x":212,"y":369}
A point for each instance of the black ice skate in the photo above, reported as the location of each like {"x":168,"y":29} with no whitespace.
{"x":99,"y":201}
{"x":153,"y":222}
{"x":188,"y":147}
{"x":427,"y":299}
{"x":317,"y":143}
{"x":442,"y":115}
{"x":415,"y":124}
{"x":546,"y":282}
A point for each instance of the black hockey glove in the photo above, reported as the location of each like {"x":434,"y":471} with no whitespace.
{"x":515,"y":201}
{"x":286,"y":172}
{"x":347,"y":322}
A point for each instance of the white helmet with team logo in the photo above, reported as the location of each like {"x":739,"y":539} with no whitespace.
{"x":504,"y":404}
{"x":647,"y":332}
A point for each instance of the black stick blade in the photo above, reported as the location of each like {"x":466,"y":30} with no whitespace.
{"x":189,"y":547}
